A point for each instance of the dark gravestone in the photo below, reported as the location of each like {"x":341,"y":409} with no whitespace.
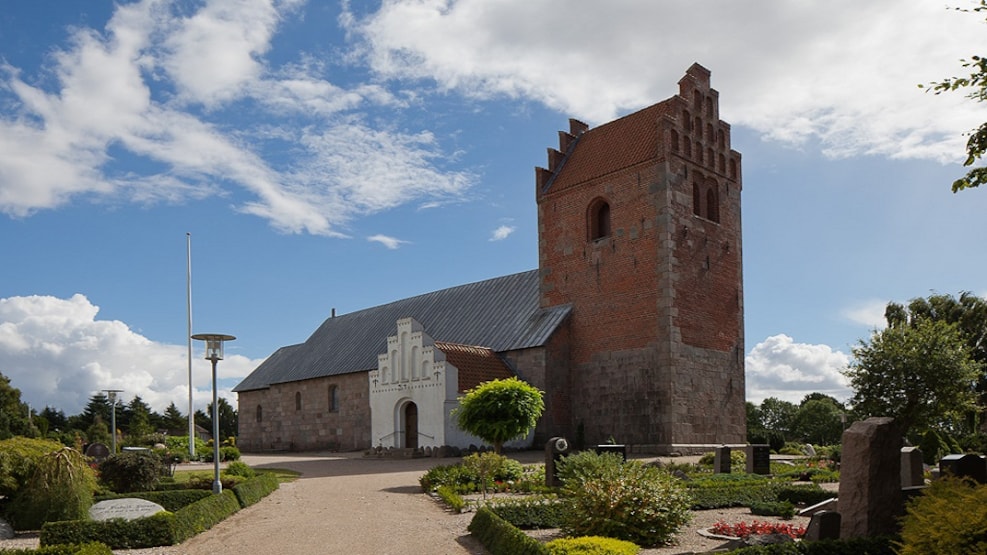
{"x":611,"y":448}
{"x":824,"y":525}
{"x":555,"y":450}
{"x":721,"y":460}
{"x":98,"y":451}
{"x":759,"y":459}
{"x":964,"y":466}
{"x":912,"y":467}
{"x":870,"y":479}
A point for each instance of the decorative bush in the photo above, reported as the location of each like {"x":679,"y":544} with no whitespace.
{"x":117,"y":533}
{"x":591,"y":545}
{"x":255,"y":489}
{"x":226,"y":453}
{"x":534,"y":511}
{"x":804,"y":494}
{"x":733,"y":490}
{"x":18,"y":457}
{"x":500,"y":538}
{"x":629,"y":501}
{"x":587,"y":465}
{"x":203,"y":515}
{"x":489,"y":468}
{"x":132,"y":471}
{"x":783,"y":509}
{"x":948,"y":517}
{"x":60,"y":487}
{"x":503,"y":474}
{"x":452,"y":499}
{"x":239,"y":468}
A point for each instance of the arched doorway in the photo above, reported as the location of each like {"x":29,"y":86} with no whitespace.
{"x":411,"y":425}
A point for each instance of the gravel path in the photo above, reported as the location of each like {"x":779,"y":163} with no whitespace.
{"x":345,"y":504}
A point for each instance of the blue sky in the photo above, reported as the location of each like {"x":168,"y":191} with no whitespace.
{"x":346,"y":154}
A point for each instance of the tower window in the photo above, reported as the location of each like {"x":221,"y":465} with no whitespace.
{"x":712,"y":205}
{"x":599,"y":220}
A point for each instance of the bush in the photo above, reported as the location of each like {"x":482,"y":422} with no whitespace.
{"x":733,"y":490}
{"x":587,"y":465}
{"x":18,"y":457}
{"x":465,"y":477}
{"x":132,"y":471}
{"x":804,"y":494}
{"x":500,"y":538}
{"x":489,"y":468}
{"x":629,"y":501}
{"x":255,"y":489}
{"x":226,"y":453}
{"x":117,"y":533}
{"x":591,"y":545}
{"x":60,"y":488}
{"x":783,"y":509}
{"x":452,"y":499}
{"x":238,"y":468}
{"x":948,"y":517}
{"x":203,"y":515}
{"x":93,"y":548}
{"x":536,"y":511}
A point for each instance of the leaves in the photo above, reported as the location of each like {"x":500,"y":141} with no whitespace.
{"x":500,"y":410}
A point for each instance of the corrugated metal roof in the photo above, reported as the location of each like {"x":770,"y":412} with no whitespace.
{"x":501,"y":314}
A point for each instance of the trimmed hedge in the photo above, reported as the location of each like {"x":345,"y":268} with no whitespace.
{"x":171,"y":500}
{"x":203,"y":515}
{"x":542,"y":511}
{"x":92,"y":548}
{"x":500,"y":538}
{"x":255,"y":489}
{"x":591,"y":545}
{"x":117,"y":533}
{"x":856,"y":546}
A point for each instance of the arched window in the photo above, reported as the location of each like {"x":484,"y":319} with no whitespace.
{"x":722,"y":164}
{"x":712,"y":205}
{"x":260,"y":413}
{"x":710,"y":159}
{"x":675,"y":141}
{"x":733,"y":169}
{"x":599,"y":220}
{"x":710,"y":136}
{"x":697,"y":200}
{"x":686,"y":121}
{"x":699,"y":152}
{"x":721,"y":140}
{"x":709,"y":107}
{"x":698,"y":126}
{"x":688,"y":149}
{"x":333,"y":398}
{"x":298,"y":400}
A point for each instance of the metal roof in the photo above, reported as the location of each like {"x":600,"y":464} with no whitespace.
{"x":502,"y":314}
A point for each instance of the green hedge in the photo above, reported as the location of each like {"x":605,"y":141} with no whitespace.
{"x":591,"y":545}
{"x":117,"y":533}
{"x":540,"y":511}
{"x":255,"y":489}
{"x":171,"y":500}
{"x":804,"y":494}
{"x":857,"y":546}
{"x":92,"y":548}
{"x":203,"y":515}
{"x":500,"y":538}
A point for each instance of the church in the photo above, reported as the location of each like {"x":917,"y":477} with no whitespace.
{"x":632,"y":324}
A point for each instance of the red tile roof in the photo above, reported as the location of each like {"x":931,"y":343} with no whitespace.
{"x":476,"y":364}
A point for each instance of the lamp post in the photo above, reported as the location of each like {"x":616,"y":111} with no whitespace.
{"x":111,"y":394}
{"x":214,"y":353}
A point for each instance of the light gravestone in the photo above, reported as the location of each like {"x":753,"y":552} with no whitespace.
{"x":6,"y":530}
{"x":870,"y":479}
{"x":758,"y":459}
{"x":721,"y":460}
{"x":912,"y":467}
{"x":129,"y":508}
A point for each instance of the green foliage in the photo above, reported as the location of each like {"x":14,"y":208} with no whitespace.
{"x":732,"y":490}
{"x":60,"y":487}
{"x":586,"y":465}
{"x":530,"y":511}
{"x":117,"y":533}
{"x":804,"y":494}
{"x":500,"y":538}
{"x":18,"y":458}
{"x":253,"y":490}
{"x":203,"y":515}
{"x":948,"y":518}
{"x":783,"y":509}
{"x":855,"y":546}
{"x":500,"y":410}
{"x":490,"y":468}
{"x":452,"y":499}
{"x":178,"y":445}
{"x":14,"y":419}
{"x":936,"y":445}
{"x":738,"y":460}
{"x":482,"y":471}
{"x":631,"y":501}
{"x":591,"y":545}
{"x":239,"y":468}
{"x":132,"y":471}
{"x":226,"y":453}
{"x":917,"y":373}
{"x":92,"y":548}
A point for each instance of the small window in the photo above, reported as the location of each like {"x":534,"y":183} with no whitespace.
{"x":712,"y":205}
{"x":675,"y":141}
{"x":260,"y":413}
{"x":298,"y":400}
{"x":697,"y":200}
{"x":599,"y":220}
{"x":333,"y":398}
{"x":686,"y":121}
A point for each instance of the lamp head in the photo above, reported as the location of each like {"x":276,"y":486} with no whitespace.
{"x":214,"y":344}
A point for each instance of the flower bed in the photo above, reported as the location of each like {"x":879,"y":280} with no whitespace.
{"x":744,"y":530}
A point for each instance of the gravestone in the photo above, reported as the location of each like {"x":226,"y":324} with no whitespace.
{"x":870,"y":478}
{"x":912,"y":467}
{"x":824,"y":525}
{"x":128,"y":508}
{"x":612,"y":448}
{"x":98,"y":451}
{"x":759,"y":459}
{"x":809,"y":450}
{"x":6,"y":530}
{"x":721,"y":460}
{"x":964,"y":466}
{"x":830,"y":505}
{"x":555,"y":450}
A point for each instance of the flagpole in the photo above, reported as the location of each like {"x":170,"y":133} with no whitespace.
{"x":188,"y":298}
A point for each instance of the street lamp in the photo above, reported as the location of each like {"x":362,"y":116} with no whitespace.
{"x":111,"y":394}
{"x":214,"y":352}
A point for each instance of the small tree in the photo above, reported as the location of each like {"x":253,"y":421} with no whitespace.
{"x":500,"y":410}
{"x":60,"y":488}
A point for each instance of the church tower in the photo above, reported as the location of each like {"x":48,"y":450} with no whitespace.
{"x":640,"y":232}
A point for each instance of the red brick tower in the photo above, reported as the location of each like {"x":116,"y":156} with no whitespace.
{"x":640,"y":231}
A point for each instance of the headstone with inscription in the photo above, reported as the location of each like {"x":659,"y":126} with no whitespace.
{"x":128,"y":508}
{"x":759,"y":459}
{"x":721,"y":460}
{"x":912,"y":467}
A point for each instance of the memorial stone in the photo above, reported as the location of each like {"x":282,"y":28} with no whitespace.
{"x":555,"y":450}
{"x":612,"y":448}
{"x":824,"y":525}
{"x":870,"y":479}
{"x":97,"y":451}
{"x":964,"y":466}
{"x":128,"y":508}
{"x":721,"y":460}
{"x":759,"y":459}
{"x":912,"y":467}
{"x":6,"y":530}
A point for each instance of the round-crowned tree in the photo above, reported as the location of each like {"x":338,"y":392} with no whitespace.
{"x":500,"y":410}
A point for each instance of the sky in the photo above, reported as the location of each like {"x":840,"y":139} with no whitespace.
{"x":319,"y":155}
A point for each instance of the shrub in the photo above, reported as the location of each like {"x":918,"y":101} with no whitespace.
{"x":452,"y":499}
{"x":587,"y":465}
{"x":132,"y":471}
{"x":591,"y":545}
{"x":489,"y":468}
{"x":804,"y":494}
{"x":203,"y":515}
{"x":18,"y":457}
{"x":238,"y":468}
{"x":500,"y":472}
{"x":948,"y":517}
{"x":226,"y":453}
{"x":255,"y":489}
{"x":500,"y":538}
{"x":60,"y":488}
{"x":732,"y":490}
{"x":117,"y":533}
{"x":783,"y":509}
{"x":630,"y":501}
{"x":534,"y":511}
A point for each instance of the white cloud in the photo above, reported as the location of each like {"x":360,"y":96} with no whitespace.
{"x":502,"y":232}
{"x":389,"y":242}
{"x":845,"y":76}
{"x":778,"y":367}
{"x":869,"y":313}
{"x":58,"y":354}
